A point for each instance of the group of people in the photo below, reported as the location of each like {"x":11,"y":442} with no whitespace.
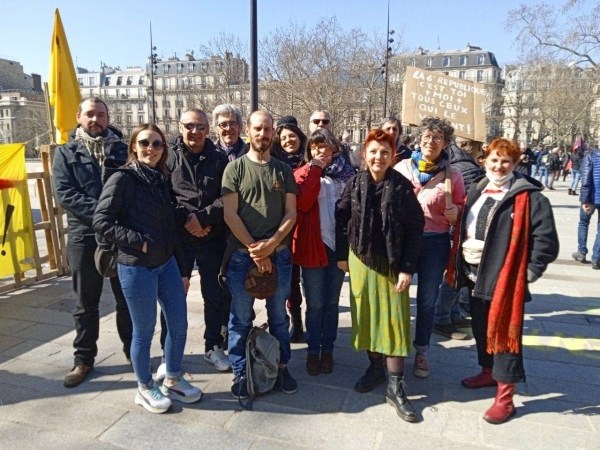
{"x":305,"y":209}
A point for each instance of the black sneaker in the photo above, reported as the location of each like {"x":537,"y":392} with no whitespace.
{"x":239,"y":388}
{"x":449,"y":331}
{"x":596,"y":265}
{"x":285,"y":382}
{"x":577,"y":256}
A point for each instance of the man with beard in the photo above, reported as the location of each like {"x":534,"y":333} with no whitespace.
{"x":77,"y":179}
{"x":259,"y":198}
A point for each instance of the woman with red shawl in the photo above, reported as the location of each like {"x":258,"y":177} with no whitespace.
{"x":507,"y":238}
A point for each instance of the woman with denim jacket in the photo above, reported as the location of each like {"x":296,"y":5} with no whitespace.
{"x":135,"y":212}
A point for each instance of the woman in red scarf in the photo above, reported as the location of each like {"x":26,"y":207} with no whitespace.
{"x":507,"y":239}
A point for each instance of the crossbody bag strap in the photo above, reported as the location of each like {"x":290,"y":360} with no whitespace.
{"x":423,"y":193}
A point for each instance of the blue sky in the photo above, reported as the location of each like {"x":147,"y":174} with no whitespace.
{"x":117,"y":32}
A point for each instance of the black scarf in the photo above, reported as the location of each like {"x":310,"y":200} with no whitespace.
{"x":234,"y":152}
{"x":153,"y":177}
{"x":360,"y":228}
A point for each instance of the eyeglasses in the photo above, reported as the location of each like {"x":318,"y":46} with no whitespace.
{"x":323,"y":121}
{"x":156,"y":145}
{"x":194,"y":126}
{"x":427,"y":138}
{"x":226,"y":125}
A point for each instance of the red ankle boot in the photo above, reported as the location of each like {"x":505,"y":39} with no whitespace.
{"x":503,"y":407}
{"x":482,"y":379}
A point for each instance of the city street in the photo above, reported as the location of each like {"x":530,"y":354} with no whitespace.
{"x":558,"y":407}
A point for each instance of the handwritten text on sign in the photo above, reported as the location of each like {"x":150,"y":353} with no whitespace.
{"x":459,"y":101}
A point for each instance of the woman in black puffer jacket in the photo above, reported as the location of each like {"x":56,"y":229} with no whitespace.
{"x":135,"y":212}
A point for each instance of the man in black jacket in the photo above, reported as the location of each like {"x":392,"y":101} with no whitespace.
{"x":196,"y":172}
{"x":77,"y":181}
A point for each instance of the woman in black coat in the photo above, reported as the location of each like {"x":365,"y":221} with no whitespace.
{"x":135,"y":212}
{"x":507,"y":238}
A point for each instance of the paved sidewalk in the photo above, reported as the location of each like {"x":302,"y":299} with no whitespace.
{"x":558,"y":407}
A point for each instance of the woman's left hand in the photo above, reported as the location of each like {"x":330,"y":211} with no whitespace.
{"x":404,"y":280}
{"x":451,"y":214}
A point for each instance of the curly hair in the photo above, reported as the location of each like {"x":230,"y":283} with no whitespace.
{"x":436,"y":124}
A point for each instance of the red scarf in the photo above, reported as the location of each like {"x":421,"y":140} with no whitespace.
{"x":506,"y":310}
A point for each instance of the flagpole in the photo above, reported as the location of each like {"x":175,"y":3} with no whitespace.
{"x":152,"y":76}
{"x":49,"y":114}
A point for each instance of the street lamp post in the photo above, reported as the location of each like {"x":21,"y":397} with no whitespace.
{"x":152,"y":86}
{"x":388,"y":51}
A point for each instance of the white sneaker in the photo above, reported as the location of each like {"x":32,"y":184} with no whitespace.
{"x":182,"y":391}
{"x":153,"y":400}
{"x":218,"y":358}
{"x":161,"y":372}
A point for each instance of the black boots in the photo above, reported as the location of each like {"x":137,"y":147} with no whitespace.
{"x":570,"y":191}
{"x":396,"y":397}
{"x":374,"y":375}
{"x":296,"y":331}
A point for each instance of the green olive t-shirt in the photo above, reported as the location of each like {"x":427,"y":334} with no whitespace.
{"x":261,"y":192}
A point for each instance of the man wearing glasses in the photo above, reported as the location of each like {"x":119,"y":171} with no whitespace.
{"x":321,"y":119}
{"x":77,"y":174}
{"x":227,"y":122}
{"x":196,"y":171}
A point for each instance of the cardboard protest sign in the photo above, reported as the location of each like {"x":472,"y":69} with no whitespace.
{"x":459,"y":101}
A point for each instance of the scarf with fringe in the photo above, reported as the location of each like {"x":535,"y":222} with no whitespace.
{"x":98,"y":146}
{"x":339,"y":169}
{"x":505,"y":319}
{"x":360,"y":228}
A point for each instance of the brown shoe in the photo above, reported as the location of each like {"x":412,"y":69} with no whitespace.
{"x":326,"y":362}
{"x":76,"y":375}
{"x":313,"y":365}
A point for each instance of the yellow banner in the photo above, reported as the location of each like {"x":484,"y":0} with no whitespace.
{"x":63,"y":87}
{"x":16,"y":226}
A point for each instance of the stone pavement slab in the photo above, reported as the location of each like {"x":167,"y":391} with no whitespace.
{"x":558,"y":406}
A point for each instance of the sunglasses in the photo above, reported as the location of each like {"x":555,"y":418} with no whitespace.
{"x":323,"y":121}
{"x":226,"y":125}
{"x":194,"y":126}
{"x":156,"y":145}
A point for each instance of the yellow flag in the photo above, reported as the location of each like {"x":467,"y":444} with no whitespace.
{"x":62,"y":83}
{"x":16,"y":226}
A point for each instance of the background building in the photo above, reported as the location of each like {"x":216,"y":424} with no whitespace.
{"x":22,"y":109}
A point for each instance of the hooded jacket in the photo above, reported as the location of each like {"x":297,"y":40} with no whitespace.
{"x":77,"y":180}
{"x":543,"y":238}
{"x":132,"y":211}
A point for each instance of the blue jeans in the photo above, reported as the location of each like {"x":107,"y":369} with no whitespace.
{"x":322,"y":286}
{"x":582,"y":233}
{"x":575,"y":174}
{"x":141,"y":287}
{"x":430,"y":267}
{"x":240,"y":318}
{"x":446,"y":307}
{"x":543,"y":172}
{"x":534,"y":170}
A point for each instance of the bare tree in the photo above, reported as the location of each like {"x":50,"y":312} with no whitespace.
{"x":570,"y":32}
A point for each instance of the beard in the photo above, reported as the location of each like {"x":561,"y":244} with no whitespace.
{"x":261,"y":146}
{"x":95,"y":132}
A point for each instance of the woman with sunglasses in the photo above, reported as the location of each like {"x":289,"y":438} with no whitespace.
{"x":429,"y":172}
{"x":289,"y":146}
{"x":379,"y":224}
{"x":320,"y":181}
{"x":135,"y":212}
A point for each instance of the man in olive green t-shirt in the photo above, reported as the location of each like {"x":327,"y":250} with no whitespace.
{"x":259,"y":200}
